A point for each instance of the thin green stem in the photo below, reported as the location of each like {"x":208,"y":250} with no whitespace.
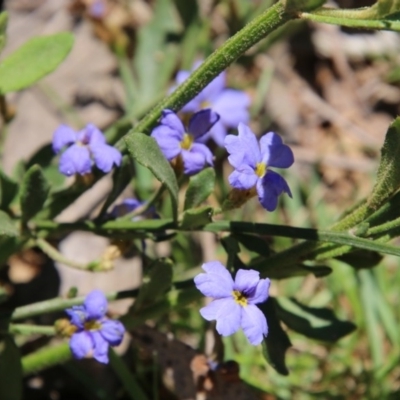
{"x":232,"y":49}
{"x":26,"y":329}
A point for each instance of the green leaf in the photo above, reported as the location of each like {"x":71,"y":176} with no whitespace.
{"x":200,"y":187}
{"x":388,"y":176}
{"x":33,"y":60}
{"x":254,"y":243}
{"x":289,"y":271}
{"x":155,"y":56}
{"x":33,"y":192}
{"x":315,"y":323}
{"x":385,"y":7}
{"x":3,"y":28}
{"x":10,"y":369}
{"x":196,"y":218}
{"x":8,"y":190}
{"x":277,"y":342}
{"x":7,"y":226}
{"x":361,"y":259}
{"x":145,"y":151}
{"x":156,"y":284}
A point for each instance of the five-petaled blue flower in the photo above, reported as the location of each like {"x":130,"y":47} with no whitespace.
{"x":175,"y":141}
{"x":94,"y":331}
{"x":83,"y":146}
{"x":230,"y":104}
{"x":234,"y":303}
{"x":252,"y":161}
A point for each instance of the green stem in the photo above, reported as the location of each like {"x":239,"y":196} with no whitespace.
{"x":60,"y":304}
{"x":54,"y":254}
{"x":232,"y":49}
{"x":25,"y":329}
{"x":361,"y":18}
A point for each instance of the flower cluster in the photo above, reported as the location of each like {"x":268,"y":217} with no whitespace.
{"x":184,"y":145}
{"x":234,"y":303}
{"x":252,"y":160}
{"x":94,"y":332}
{"x":230,"y":104}
{"x":85,"y":147}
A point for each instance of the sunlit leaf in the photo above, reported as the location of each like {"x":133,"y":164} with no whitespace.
{"x":33,"y":60}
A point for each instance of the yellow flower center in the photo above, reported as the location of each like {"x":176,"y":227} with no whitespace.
{"x":187,"y":141}
{"x":92,"y":325}
{"x":261,"y":169}
{"x":205,"y":104}
{"x":240,"y":298}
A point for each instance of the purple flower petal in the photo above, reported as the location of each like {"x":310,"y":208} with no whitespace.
{"x":217,"y":282}
{"x":105,"y":156}
{"x":246,"y":281}
{"x":274,"y":153}
{"x":75,"y":160}
{"x":217,"y":133}
{"x":243,"y":149}
{"x":127,"y":206}
{"x":94,"y":135}
{"x":168,"y":141}
{"x":63,"y":136}
{"x":95,"y":304}
{"x":77,"y":315}
{"x":100,"y":349}
{"x":81,"y":344}
{"x":244,"y":179}
{"x":226,"y":312}
{"x":201,"y":122}
{"x":170,"y":119}
{"x":269,"y":188}
{"x":192,"y":162}
{"x":232,"y":106}
{"x":112,"y":331}
{"x":204,"y":151}
{"x":261,"y":293}
{"x":254,"y":324}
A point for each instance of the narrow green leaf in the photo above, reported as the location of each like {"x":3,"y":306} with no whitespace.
{"x":3,"y":28}
{"x":8,"y":190}
{"x":196,"y":218}
{"x":386,"y":7}
{"x":33,"y":192}
{"x":7,"y":226}
{"x":10,"y":370}
{"x":254,"y":243}
{"x":156,"y":284}
{"x":200,"y":187}
{"x":315,"y":323}
{"x":277,"y":342}
{"x":145,"y":151}
{"x":388,"y":176}
{"x":291,"y":270}
{"x":361,"y":259}
{"x":33,"y":60}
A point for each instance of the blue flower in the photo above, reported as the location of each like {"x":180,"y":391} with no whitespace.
{"x":252,"y":160}
{"x":94,"y":331}
{"x":234,"y":303}
{"x":83,"y":147}
{"x":175,"y":141}
{"x":230,"y":104}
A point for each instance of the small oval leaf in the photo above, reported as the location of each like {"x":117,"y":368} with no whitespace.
{"x":200,"y":187}
{"x":33,"y":60}
{"x":144,"y":149}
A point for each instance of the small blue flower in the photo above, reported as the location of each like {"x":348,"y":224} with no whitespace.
{"x":234,"y":301}
{"x":83,"y":147}
{"x":94,"y":331}
{"x":252,"y":160}
{"x":230,"y":104}
{"x":175,"y":141}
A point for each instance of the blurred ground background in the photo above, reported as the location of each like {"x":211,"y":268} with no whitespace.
{"x":330,"y":92}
